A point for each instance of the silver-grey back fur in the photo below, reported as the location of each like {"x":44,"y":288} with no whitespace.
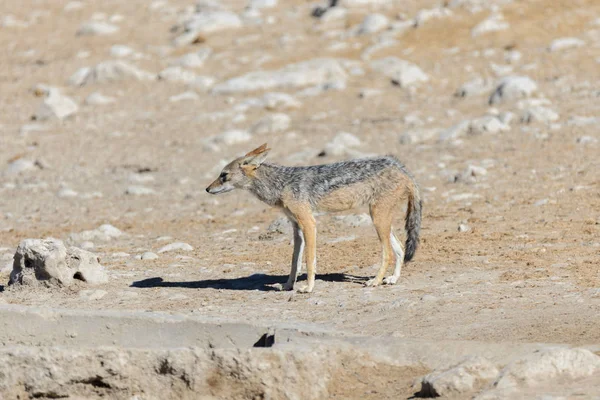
{"x":311,"y":183}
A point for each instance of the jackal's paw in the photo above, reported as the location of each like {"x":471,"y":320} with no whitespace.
{"x":304,"y":289}
{"x":284,"y":287}
{"x":390,"y":280}
{"x":372,"y":282}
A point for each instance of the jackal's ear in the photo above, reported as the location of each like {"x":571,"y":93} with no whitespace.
{"x":256,"y":156}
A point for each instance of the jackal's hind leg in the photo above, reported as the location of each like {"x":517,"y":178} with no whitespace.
{"x":399,"y":255}
{"x":381,"y":215}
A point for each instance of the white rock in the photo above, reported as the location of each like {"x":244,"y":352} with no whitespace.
{"x":355,"y":220}
{"x":460,"y":379}
{"x":280,"y":101}
{"x":109,"y":71}
{"x":9,"y":21}
{"x":432,"y":13}
{"x":73,"y":5}
{"x":280,"y":225}
{"x":205,"y":23}
{"x":94,"y":28}
{"x":401,"y":72}
{"x":185,"y":96}
{"x":120,"y":51}
{"x":513,"y":87}
{"x":21,"y":165}
{"x":494,"y":23}
{"x":474,"y":87}
{"x":139,"y":190}
{"x":547,"y":366}
{"x":586,"y":140}
{"x":175,"y":247}
{"x":463,"y":228}
{"x":80,"y":76}
{"x":260,"y":4}
{"x":273,"y":123}
{"x":149,"y":256}
{"x":55,"y":105}
{"x":373,"y":23}
{"x":577,"y":120}
{"x":414,"y":136}
{"x":342,"y":144}
{"x":66,"y":192}
{"x":487,"y":124}
{"x":234,"y":136}
{"x":566,"y":43}
{"x":92,"y":294}
{"x":195,"y":59}
{"x":29,"y":128}
{"x":320,"y":71}
{"x":539,"y":114}
{"x":49,"y":260}
{"x":98,"y":99}
{"x":180,"y":75}
{"x":105,"y":232}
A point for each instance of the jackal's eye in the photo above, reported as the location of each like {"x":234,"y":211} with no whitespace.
{"x":223,"y":176}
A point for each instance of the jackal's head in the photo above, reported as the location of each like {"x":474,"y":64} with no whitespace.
{"x":239,"y":173}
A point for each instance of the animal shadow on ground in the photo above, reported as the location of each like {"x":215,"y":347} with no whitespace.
{"x":262,"y":282}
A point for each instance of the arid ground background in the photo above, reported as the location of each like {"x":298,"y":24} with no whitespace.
{"x":510,"y":248}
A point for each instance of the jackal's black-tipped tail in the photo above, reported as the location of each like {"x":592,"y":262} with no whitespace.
{"x":413,"y":223}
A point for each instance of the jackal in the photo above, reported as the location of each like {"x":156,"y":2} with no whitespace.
{"x":382,"y":183}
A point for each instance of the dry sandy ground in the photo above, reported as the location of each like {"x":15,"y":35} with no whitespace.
{"x":526,"y":270}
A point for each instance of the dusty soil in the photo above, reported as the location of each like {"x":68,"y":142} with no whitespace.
{"x":526,"y":270}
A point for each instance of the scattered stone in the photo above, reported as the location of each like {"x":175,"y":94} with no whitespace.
{"x":487,"y":124}
{"x":92,"y":294}
{"x":149,"y":256}
{"x":342,"y":144}
{"x":195,"y":59}
{"x":463,"y":378}
{"x":373,"y":23}
{"x":180,"y":75}
{"x":583,"y":121}
{"x":547,"y":366}
{"x":401,"y":72}
{"x":66,"y":192}
{"x":120,"y":51}
{"x":260,"y":4}
{"x":109,"y":71}
{"x":414,"y":136}
{"x":494,"y":23}
{"x":50,"y":261}
{"x":463,"y":228}
{"x":139,"y":190}
{"x":355,"y":220}
{"x":271,"y":124}
{"x":281,"y":225}
{"x":175,"y":247}
{"x":29,"y":128}
{"x":539,"y":114}
{"x":587,"y":140}
{"x":21,"y":165}
{"x":55,"y":105}
{"x":474,"y":87}
{"x":205,"y":23}
{"x":185,"y":96}
{"x":97,"y":28}
{"x":513,"y":87}
{"x":320,"y":71}
{"x":275,"y":101}
{"x":566,"y":43}
{"x":231,"y":137}
{"x":103,"y":233}
{"x":98,"y":99}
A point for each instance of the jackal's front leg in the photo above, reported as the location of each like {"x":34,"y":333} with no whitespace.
{"x":296,"y":258}
{"x":307,"y":225}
